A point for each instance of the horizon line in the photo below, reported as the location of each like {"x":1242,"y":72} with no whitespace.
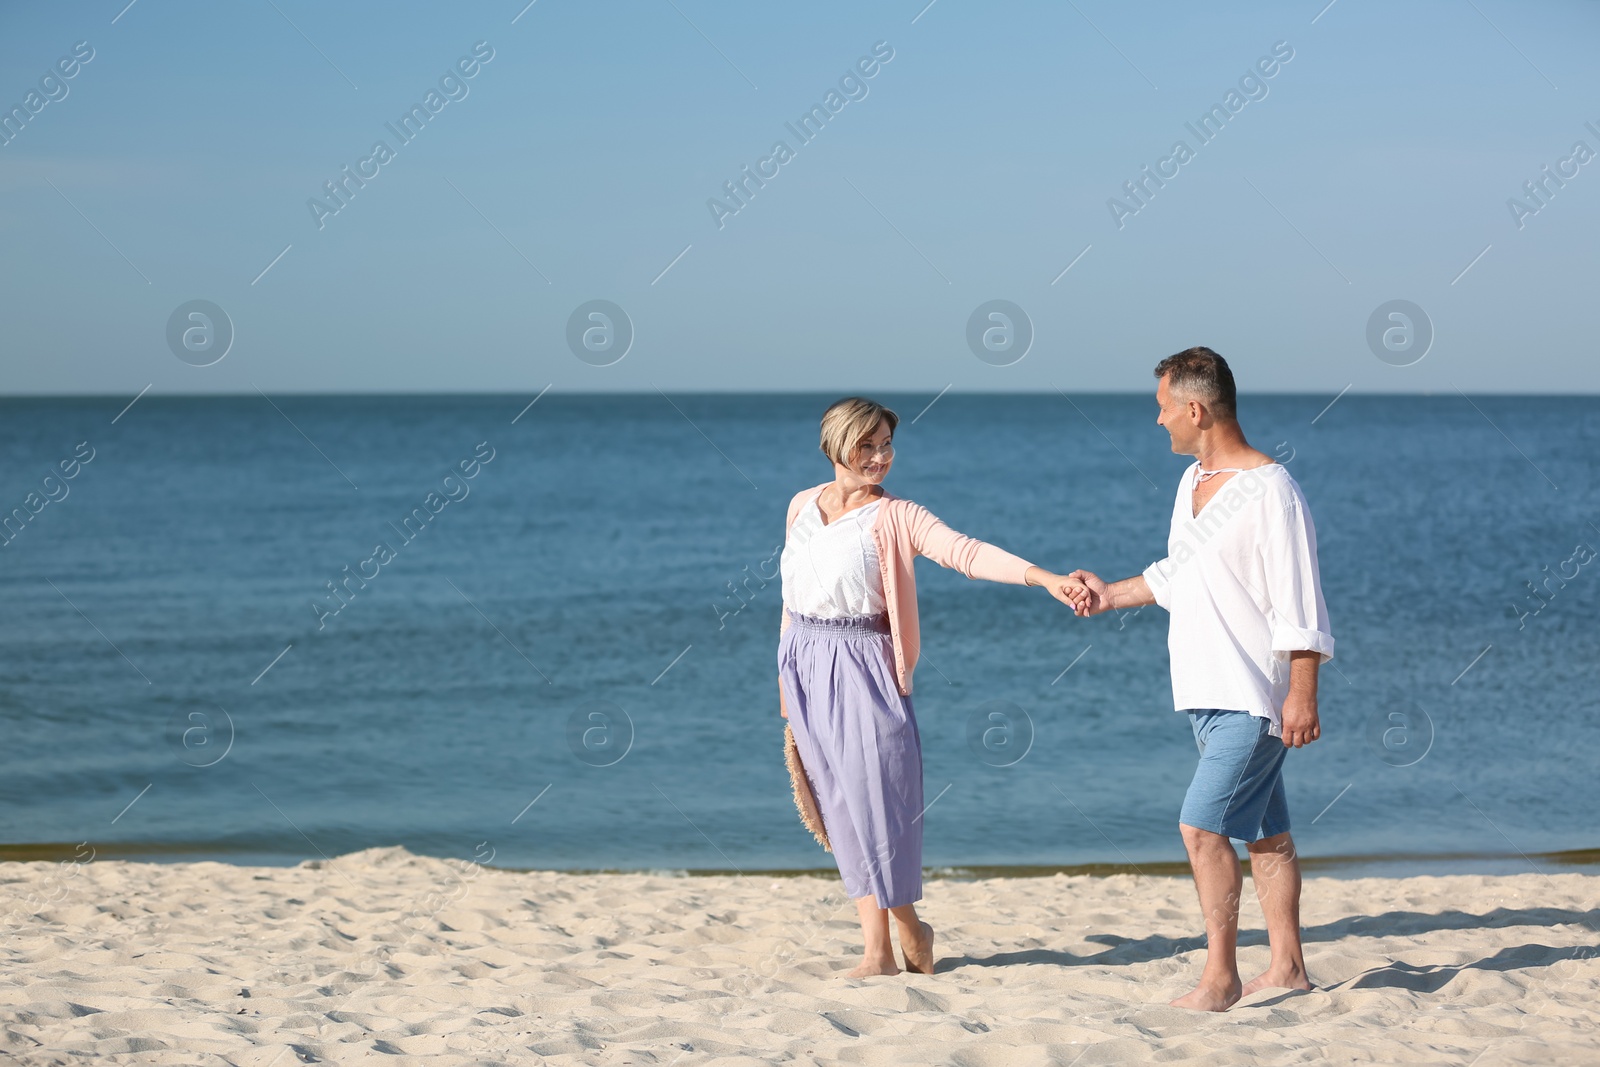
{"x":496,"y":393}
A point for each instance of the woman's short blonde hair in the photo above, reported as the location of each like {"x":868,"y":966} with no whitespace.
{"x":850,"y":421}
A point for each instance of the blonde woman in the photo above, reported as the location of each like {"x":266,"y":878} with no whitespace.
{"x":846,"y":652}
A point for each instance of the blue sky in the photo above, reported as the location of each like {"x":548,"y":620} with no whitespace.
{"x":978,"y":165}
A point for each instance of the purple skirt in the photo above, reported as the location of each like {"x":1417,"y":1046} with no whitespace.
{"x":858,"y":739}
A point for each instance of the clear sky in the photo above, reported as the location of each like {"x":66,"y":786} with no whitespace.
{"x":1375,"y":163}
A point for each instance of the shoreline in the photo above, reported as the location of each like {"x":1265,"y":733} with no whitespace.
{"x":1373,"y":865}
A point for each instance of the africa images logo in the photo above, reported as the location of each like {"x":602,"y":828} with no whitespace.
{"x":1252,"y":86}
{"x":452,"y":87}
{"x":852,"y":87}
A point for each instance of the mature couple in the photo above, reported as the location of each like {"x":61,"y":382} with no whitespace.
{"x":1248,"y":631}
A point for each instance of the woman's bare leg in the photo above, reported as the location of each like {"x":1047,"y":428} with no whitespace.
{"x":916,"y":939}
{"x":879,"y":955}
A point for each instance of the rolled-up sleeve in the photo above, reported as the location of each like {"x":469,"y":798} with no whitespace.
{"x":1158,"y":577}
{"x":1294,"y":585}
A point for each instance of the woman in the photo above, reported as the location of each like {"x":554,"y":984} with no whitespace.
{"x":846,"y":650}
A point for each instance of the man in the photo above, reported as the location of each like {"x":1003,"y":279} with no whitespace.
{"x":1248,"y":631}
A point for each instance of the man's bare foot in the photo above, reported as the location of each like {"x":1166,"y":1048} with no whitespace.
{"x":918,"y":952}
{"x":1278,"y":978}
{"x":872,"y":968}
{"x":1207,"y":997}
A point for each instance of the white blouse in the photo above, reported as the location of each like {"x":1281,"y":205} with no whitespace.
{"x":830,"y":571}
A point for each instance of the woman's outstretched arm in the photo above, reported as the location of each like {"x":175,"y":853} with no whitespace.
{"x":931,"y":537}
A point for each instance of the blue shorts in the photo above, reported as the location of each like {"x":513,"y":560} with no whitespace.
{"x":1237,"y":789}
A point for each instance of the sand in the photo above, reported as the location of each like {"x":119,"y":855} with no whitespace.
{"x":385,"y":957}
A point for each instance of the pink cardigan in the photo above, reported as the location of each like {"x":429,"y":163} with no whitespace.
{"x":902,"y":531}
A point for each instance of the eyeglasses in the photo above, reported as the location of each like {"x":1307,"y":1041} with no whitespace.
{"x":886,"y":449}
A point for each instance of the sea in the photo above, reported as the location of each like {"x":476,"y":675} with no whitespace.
{"x":542,"y":629}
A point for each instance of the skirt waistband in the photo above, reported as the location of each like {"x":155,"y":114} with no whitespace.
{"x":848,"y":626}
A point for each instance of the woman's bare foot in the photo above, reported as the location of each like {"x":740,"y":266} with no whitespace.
{"x":1290,"y":977}
{"x":918,"y":949}
{"x":870,"y":968}
{"x":1208,"y":997}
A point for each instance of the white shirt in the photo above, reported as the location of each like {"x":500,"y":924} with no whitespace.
{"x":1241,"y":583}
{"x":830,"y":571}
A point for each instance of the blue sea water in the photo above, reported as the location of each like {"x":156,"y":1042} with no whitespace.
{"x":573,"y":660}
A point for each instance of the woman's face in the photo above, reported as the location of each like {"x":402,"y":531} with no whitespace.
{"x":874,"y":455}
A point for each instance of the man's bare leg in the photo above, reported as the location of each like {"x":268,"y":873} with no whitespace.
{"x":1218,"y":879}
{"x":1275,"y":869}
{"x":879,"y":955}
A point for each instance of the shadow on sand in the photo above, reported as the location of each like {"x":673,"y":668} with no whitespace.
{"x":1125,"y":951}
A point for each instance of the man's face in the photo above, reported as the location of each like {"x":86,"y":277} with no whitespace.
{"x":1176,"y":418}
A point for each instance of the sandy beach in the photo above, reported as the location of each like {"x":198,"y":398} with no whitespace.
{"x":386,"y":957}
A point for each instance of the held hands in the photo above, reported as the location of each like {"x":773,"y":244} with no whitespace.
{"x":1082,"y":591}
{"x":1087,"y":594}
{"x":1067,"y":589}
{"x":1063,"y":587}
